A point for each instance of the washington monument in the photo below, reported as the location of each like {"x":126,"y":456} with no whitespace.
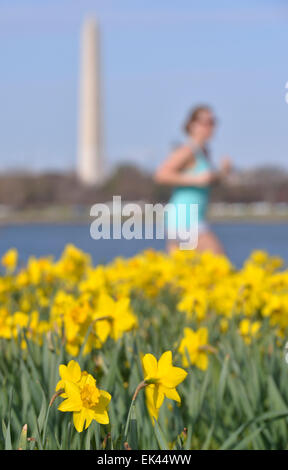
{"x":90,"y":156}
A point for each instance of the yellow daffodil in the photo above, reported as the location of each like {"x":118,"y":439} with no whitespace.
{"x":113,"y":317}
{"x":193,"y":348}
{"x":150,"y":402}
{"x":248,"y":329}
{"x":162,"y":379}
{"x":73,"y":298}
{"x":83,"y":398}
{"x":10,"y":259}
{"x":194,"y":303}
{"x":70,"y":373}
{"x":224,"y":325}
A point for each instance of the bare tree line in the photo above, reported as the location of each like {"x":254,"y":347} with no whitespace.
{"x":24,"y":190}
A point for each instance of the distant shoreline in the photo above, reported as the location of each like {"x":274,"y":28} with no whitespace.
{"x":80,"y":214}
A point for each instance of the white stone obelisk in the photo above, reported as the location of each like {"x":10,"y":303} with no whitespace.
{"x":90,"y":157}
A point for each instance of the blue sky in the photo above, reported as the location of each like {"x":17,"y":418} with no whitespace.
{"x":159,"y":58}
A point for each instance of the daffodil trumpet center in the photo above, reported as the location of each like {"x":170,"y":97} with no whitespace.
{"x":90,"y":396}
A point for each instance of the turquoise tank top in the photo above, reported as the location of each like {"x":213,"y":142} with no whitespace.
{"x":186,"y":195}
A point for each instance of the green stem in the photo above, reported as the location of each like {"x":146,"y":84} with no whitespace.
{"x":139,"y":387}
{"x":48,"y":412}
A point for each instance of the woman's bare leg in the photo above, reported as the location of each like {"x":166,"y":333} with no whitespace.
{"x":209,"y":242}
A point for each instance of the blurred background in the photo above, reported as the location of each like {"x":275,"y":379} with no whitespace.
{"x":156,"y":60}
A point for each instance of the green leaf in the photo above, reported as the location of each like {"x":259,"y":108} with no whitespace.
{"x":7,"y":435}
{"x":160,"y":437}
{"x":233,"y":437}
{"x":244,"y":444}
{"x":222,"y":383}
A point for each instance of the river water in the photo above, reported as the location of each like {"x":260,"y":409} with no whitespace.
{"x":239,"y":239}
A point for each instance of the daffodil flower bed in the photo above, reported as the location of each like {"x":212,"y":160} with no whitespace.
{"x":177,"y":351}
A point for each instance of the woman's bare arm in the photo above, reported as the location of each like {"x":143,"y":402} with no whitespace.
{"x":170,"y":171}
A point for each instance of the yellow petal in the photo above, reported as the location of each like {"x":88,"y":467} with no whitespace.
{"x":74,"y":371}
{"x":203,"y":335}
{"x":255,"y":327}
{"x":70,"y":405}
{"x":89,"y":416}
{"x":149,"y":392}
{"x":175,"y":377}
{"x":79,"y":420}
{"x":149,"y":366}
{"x":189,"y":333}
{"x":202,"y":361}
{"x":72,"y":389}
{"x":63,"y":372}
{"x":101,"y":418}
{"x":172,"y":394}
{"x":104,"y":398}
{"x":102,"y":330}
{"x":165,"y":363}
{"x":86,"y":379}
{"x":158,"y":396}
{"x":60,"y":385}
{"x":105,"y":306}
{"x":103,"y":403}
{"x":245,"y":326}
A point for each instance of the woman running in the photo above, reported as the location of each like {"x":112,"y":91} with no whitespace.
{"x":190,"y":171}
